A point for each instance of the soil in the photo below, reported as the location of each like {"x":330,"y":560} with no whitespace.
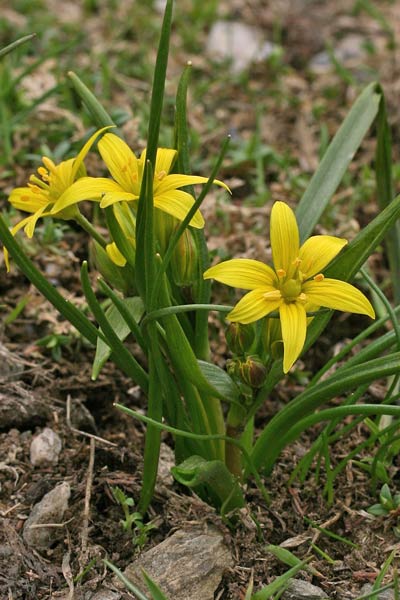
{"x":102,"y":447}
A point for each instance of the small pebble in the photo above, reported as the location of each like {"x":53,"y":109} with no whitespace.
{"x":45,"y":448}
{"x":50,"y":510}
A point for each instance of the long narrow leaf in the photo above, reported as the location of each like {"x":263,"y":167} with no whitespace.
{"x":279,"y":584}
{"x":385,"y":194}
{"x":68,"y":310}
{"x":336,"y":159}
{"x":99,"y":114}
{"x":16,"y":44}
{"x":269,"y":444}
{"x":128,"y":363}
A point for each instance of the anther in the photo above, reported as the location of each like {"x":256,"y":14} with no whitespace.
{"x":319,"y":277}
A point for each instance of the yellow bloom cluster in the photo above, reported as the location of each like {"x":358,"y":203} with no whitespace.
{"x":57,"y":189}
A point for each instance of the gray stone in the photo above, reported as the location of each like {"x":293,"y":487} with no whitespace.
{"x":349,"y":51}
{"x":45,"y":448}
{"x":49,"y":511}
{"x":302,"y":590}
{"x":20,"y":408}
{"x":385,"y":595}
{"x":239,"y":43}
{"x":189,"y":564}
{"x":165,"y":464}
{"x":104,"y":594}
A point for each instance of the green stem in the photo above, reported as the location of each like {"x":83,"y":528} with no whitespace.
{"x":92,"y":231}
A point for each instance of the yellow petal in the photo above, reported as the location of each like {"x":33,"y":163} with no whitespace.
{"x":253,"y":306}
{"x":60,"y":178}
{"x":24,"y":198}
{"x":114,"y":197}
{"x":32,"y":220}
{"x":164,"y":160}
{"x":178,"y":203}
{"x":338,"y":295}
{"x":116,"y":256}
{"x":243,"y":273}
{"x":284,"y":238}
{"x":14,"y":230}
{"x":294,"y":327}
{"x":120,"y":161}
{"x":85,"y":188}
{"x":83,"y":152}
{"x":174,"y":181}
{"x":317,"y":252}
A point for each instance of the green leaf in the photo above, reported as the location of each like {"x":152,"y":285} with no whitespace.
{"x":385,"y":496}
{"x":276,"y":435}
{"x":13,"y":45}
{"x":279,"y":584}
{"x":100,"y":116}
{"x":196,"y":472}
{"x":128,"y":584}
{"x":220,"y":380}
{"x":288,"y":557}
{"x":336,"y":159}
{"x":350,"y":260}
{"x":377,"y":510}
{"x":385,"y":194}
{"x":68,"y":310}
{"x":125,"y":359}
{"x":120,"y":327}
{"x":155,"y":591}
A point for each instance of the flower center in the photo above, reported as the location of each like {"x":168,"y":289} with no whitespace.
{"x":291,"y":289}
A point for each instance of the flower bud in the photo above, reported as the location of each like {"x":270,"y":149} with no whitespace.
{"x":120,"y":278}
{"x":239,"y":338}
{"x":184,"y":260}
{"x":252,"y":371}
{"x":271,"y":338}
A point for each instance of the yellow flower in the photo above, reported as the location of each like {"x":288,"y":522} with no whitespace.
{"x":127,"y":172}
{"x":45,"y":188}
{"x":293,"y":286}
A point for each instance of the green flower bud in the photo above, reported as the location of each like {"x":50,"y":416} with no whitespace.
{"x":271,"y":338}
{"x":239,"y":338}
{"x":184,"y":260}
{"x":252,"y":371}
{"x":120,"y":278}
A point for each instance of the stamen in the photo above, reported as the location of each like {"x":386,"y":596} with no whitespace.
{"x":44,"y":174}
{"x":297,"y":262}
{"x":274,"y":295}
{"x":319,"y":277}
{"x":36,"y":182}
{"x":160,"y":175}
{"x":302,"y":297}
{"x":48,"y":163}
{"x":35,"y":188}
{"x":281,"y":273}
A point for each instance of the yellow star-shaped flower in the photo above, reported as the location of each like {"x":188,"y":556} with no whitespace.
{"x":293,"y":286}
{"x":45,"y":188}
{"x":127,"y":172}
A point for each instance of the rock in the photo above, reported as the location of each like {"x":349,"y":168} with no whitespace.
{"x":45,"y":448}
{"x":166,"y":462}
{"x":159,"y":5}
{"x":349,"y":51}
{"x":21,"y":409}
{"x":189,"y":564}
{"x":104,"y":594}
{"x":50,"y":510}
{"x":385,"y":595}
{"x":302,"y":590}
{"x":239,"y":43}
{"x":11,"y":366}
